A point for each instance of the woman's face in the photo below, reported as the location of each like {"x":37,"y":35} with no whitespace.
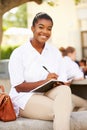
{"x":42,"y":30}
{"x":73,"y":56}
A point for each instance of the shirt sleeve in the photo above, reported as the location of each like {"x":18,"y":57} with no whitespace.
{"x":72,"y":69}
{"x":61,"y":68}
{"x":62,"y":72}
{"x":77,"y":72}
{"x":15,"y":69}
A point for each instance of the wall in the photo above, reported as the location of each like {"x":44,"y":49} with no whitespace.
{"x":66,"y":30}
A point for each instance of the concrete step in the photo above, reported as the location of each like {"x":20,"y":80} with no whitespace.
{"x":78,"y":119}
{"x":78,"y":122}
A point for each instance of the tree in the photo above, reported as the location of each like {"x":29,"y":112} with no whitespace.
{"x":6,"y":5}
{"x":16,"y":18}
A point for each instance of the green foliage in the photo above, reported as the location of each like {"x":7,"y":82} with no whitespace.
{"x":6,"y":51}
{"x":54,"y":2}
{"x":51,"y":3}
{"x":17,"y":18}
{"x":77,"y":1}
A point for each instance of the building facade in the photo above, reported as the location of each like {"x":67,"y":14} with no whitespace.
{"x":70,"y":28}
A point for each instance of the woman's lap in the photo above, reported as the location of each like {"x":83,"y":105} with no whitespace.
{"x":38,"y":107}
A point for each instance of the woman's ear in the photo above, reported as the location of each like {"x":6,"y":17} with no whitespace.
{"x":32,"y":28}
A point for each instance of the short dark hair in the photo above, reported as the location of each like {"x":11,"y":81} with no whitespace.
{"x":83,"y":61}
{"x":41,"y":15}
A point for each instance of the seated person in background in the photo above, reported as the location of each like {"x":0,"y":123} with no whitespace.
{"x":83,"y":66}
{"x":73,"y":72}
{"x":72,"y":68}
{"x":63,"y":51}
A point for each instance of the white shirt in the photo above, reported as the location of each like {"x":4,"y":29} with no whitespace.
{"x":26,"y":64}
{"x":73,"y":71}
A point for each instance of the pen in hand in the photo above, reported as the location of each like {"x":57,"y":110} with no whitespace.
{"x":52,"y":75}
{"x":46,"y":69}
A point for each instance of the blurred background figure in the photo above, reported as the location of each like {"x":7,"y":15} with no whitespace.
{"x":83,"y":66}
{"x":72,"y":68}
{"x":73,"y":72}
{"x":63,"y":51}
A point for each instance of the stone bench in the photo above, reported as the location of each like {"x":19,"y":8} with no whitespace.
{"x":78,"y":119}
{"x":78,"y":122}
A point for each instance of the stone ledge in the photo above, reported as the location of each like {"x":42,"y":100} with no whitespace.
{"x":78,"y":119}
{"x":78,"y":122}
{"x":26,"y":124}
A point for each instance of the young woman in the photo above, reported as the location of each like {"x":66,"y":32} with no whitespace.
{"x":27,"y":72}
{"x":73,"y":70}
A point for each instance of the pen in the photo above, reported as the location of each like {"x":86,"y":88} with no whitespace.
{"x":46,"y":69}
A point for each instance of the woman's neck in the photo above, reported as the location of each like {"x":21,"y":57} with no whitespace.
{"x":38,"y":46}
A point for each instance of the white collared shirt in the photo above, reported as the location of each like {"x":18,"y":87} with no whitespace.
{"x":73,"y":71}
{"x":26,"y":64}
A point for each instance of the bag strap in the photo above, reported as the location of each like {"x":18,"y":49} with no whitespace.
{"x":3,"y":100}
{"x":2,"y":88}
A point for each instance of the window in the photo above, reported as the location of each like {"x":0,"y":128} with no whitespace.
{"x":84,"y":43}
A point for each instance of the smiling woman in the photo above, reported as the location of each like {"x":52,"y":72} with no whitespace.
{"x":41,"y":28}
{"x":27,"y":72}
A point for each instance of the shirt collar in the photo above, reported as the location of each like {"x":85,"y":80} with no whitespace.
{"x":45,"y":48}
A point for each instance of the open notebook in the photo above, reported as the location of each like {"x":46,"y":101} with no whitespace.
{"x":47,"y":86}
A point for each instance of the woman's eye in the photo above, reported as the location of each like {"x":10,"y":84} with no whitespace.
{"x":49,"y":29}
{"x":40,"y":27}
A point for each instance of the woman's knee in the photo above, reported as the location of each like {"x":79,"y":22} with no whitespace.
{"x":64,"y":88}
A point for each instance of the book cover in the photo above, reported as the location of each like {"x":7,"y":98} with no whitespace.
{"x":47,"y":86}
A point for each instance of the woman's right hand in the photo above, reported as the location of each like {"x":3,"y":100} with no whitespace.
{"x":52,"y":76}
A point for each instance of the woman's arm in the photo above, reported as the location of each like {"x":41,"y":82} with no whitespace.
{"x":28,"y":86}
